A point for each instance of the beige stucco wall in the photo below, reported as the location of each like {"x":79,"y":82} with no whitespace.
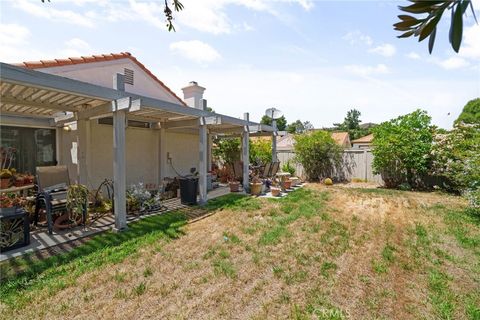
{"x":142,"y":153}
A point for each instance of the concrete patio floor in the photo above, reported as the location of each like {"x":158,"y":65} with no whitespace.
{"x":61,"y":240}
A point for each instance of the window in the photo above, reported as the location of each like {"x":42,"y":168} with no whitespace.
{"x":34,"y":147}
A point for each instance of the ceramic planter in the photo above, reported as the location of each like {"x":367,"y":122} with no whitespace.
{"x":287,"y":184}
{"x":275,"y":191}
{"x":234,"y":186}
{"x":256,"y":188}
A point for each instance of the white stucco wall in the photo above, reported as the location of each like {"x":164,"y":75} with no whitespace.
{"x":142,"y":152}
{"x":101,"y":73}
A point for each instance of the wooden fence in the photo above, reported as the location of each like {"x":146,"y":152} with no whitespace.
{"x":357,"y":165}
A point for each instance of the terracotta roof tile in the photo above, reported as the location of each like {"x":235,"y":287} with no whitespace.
{"x":95,"y":58}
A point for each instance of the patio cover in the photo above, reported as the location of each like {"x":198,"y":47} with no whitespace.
{"x":31,"y":93}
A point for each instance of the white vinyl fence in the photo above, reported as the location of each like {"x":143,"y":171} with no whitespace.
{"x":357,"y":164}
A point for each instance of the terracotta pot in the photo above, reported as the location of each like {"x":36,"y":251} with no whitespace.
{"x":256,"y":188}
{"x":234,"y":186}
{"x":62,"y":222}
{"x":275,"y":191}
{"x":19,"y":182}
{"x":4,"y":183}
{"x":287,"y":184}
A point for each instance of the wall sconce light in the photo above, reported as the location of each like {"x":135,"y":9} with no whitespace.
{"x":67,"y":128}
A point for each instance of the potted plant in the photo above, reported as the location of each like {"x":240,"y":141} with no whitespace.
{"x":275,"y":189}
{"x":5,"y":178}
{"x":28,"y":178}
{"x":234,"y":185}
{"x":287,"y":184}
{"x":9,"y":203}
{"x":77,"y":199}
{"x":256,"y":186}
{"x":18,"y":180}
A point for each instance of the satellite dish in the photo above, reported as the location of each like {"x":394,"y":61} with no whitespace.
{"x":273,"y":113}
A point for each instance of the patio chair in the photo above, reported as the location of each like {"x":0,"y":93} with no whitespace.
{"x":274,"y":169}
{"x":53,"y":185}
{"x":238,"y":170}
{"x":266,"y":170}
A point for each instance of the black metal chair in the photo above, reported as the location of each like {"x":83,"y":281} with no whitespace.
{"x":53,"y":183}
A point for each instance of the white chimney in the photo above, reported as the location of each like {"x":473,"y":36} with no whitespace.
{"x":193,"y":95}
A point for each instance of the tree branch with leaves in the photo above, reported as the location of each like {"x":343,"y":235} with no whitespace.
{"x":426,"y":26}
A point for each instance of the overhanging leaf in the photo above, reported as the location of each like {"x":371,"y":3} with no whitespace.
{"x":456,"y":28}
{"x":431,"y":40}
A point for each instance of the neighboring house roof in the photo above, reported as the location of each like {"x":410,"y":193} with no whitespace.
{"x":286,"y":142}
{"x":341,"y":138}
{"x":367,"y":125}
{"x":365,"y":139}
{"x":95,"y":58}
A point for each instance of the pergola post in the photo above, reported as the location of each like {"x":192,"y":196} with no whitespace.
{"x":246,"y":153}
{"x":162,"y":154}
{"x":202,"y":164}
{"x":274,"y":141}
{"x":209,"y":153}
{"x":83,"y":145}
{"x":119,"y":167}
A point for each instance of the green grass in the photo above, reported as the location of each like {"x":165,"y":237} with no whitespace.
{"x":440,"y":295}
{"x":388,"y":253}
{"x":60,"y":271}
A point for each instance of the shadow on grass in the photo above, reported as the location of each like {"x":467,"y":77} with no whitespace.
{"x":108,"y":247}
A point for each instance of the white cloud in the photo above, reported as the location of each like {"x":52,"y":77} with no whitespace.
{"x":356,"y":37}
{"x":362,"y":70}
{"x":471,"y":43}
{"x":48,"y":11}
{"x":75,"y":48}
{"x":195,"y":50}
{"x":386,"y":50}
{"x":13,"y":34}
{"x":413,"y":55}
{"x":453,"y":63}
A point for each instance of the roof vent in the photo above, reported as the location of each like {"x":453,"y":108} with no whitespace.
{"x":128,"y":76}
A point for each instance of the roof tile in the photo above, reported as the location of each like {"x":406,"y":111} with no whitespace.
{"x":95,"y":58}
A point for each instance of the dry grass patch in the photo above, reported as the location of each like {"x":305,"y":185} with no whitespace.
{"x":327,"y":253}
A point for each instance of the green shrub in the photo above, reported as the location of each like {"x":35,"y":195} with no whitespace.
{"x":227,"y":149}
{"x":288,"y":167}
{"x":318,"y":153}
{"x":260,"y":151}
{"x":401,"y":149}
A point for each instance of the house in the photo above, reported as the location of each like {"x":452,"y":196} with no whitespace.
{"x":109,"y":117}
{"x":363,"y":142}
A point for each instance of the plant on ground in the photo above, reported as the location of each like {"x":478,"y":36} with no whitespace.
{"x":456,"y":157}
{"x":318,"y":153}
{"x":227,"y":149}
{"x":401,"y":149}
{"x":260,"y":151}
{"x":288,"y":167}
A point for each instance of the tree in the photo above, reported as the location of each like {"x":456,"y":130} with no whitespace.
{"x":426,"y":26}
{"x":351,"y":124}
{"x":401,"y":149}
{"x":318,"y":153}
{"x":470,"y":113}
{"x":281,"y":122}
{"x":299,"y":127}
{"x":227,"y":149}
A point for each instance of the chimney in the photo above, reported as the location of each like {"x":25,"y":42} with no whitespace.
{"x":193,"y":95}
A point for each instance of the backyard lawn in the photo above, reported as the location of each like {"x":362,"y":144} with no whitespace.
{"x":344,"y":252}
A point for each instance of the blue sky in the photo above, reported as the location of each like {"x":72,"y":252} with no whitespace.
{"x":314,"y":60}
